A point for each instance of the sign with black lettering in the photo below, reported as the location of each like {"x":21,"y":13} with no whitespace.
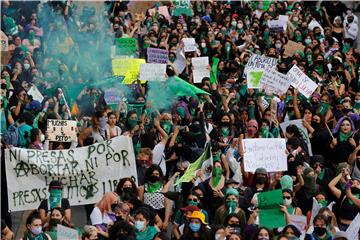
{"x":86,"y":172}
{"x":61,"y":130}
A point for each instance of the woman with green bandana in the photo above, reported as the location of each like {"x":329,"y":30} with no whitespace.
{"x":308,"y":190}
{"x":57,"y":217}
{"x":231,"y":206}
{"x":226,"y":131}
{"x":152,"y":194}
{"x":34,"y":228}
{"x":324,"y":174}
{"x":218,"y":156}
{"x":55,"y":200}
{"x":344,"y":140}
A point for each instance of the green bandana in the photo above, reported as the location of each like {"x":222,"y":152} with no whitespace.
{"x":216,"y":157}
{"x":251,"y":112}
{"x":217,"y":174}
{"x":55,"y":198}
{"x":343,"y":136}
{"x":323,"y":203}
{"x":230,"y":206}
{"x":166,"y":125}
{"x":321,"y":174}
{"x":243,"y":90}
{"x":154,"y":187}
{"x":264,"y":132}
{"x":324,"y":107}
{"x":132,"y":123}
{"x":225,"y":131}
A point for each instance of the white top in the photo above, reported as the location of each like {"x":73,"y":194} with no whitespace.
{"x":96,"y":217}
{"x":159,"y":156}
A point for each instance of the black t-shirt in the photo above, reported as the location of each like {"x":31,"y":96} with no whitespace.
{"x":65,"y":204}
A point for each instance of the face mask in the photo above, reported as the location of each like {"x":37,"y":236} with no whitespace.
{"x":36,"y":230}
{"x":203,"y":45}
{"x":319,"y":231}
{"x":217,"y":172}
{"x":323,"y":203}
{"x":307,"y":41}
{"x":355,"y":190}
{"x":251,"y":112}
{"x":217,"y":236}
{"x":240,"y":25}
{"x":127,"y":189}
{"x":233,"y":23}
{"x":26,"y":66}
{"x":231,"y":206}
{"x":278,"y":45}
{"x":132,"y":123}
{"x":260,"y":180}
{"x":54,"y":222}
{"x":139,"y":225}
{"x":195,"y":227}
{"x":298,"y":38}
{"x":153,"y":179}
{"x":287,"y":202}
{"x":192,"y":203}
{"x":263,"y":238}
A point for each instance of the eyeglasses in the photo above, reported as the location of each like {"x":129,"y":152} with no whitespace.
{"x":317,"y":165}
{"x":193,"y":199}
{"x":288,"y":198}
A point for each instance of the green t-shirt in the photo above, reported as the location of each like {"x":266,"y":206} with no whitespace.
{"x":148,"y":234}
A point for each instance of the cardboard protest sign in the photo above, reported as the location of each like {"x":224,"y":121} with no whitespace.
{"x":291,"y":47}
{"x":299,"y":124}
{"x":128,"y":67}
{"x":86,"y":172}
{"x":182,"y":7}
{"x":157,"y":55}
{"x":253,"y":78}
{"x":352,"y":231}
{"x":61,"y":130}
{"x":200,"y":65}
{"x":152,"y":71}
{"x":125,"y":46}
{"x":66,"y":233}
{"x":259,"y":62}
{"x":139,"y":7}
{"x":112,"y":96}
{"x":301,"y":81}
{"x":35,"y":93}
{"x":4,"y":42}
{"x":163,"y":10}
{"x":270,"y":214}
{"x":268,"y":153}
{"x":189,"y":44}
{"x":275,"y":82}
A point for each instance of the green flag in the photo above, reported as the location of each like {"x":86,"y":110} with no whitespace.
{"x":190,"y":172}
{"x":214,"y":69}
{"x":180,"y":87}
{"x":271,"y":215}
{"x":182,"y":7}
{"x":125,"y":46}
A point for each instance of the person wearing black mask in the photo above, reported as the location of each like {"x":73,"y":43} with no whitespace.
{"x":259,"y":184}
{"x":320,"y":229}
{"x":126,"y":185}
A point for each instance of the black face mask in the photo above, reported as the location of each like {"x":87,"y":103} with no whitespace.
{"x":127,"y":189}
{"x":289,"y":109}
{"x":315,"y":125}
{"x":260,"y":180}
{"x":3,"y":86}
{"x":355,"y":190}
{"x":54,"y":222}
{"x":350,"y":20}
{"x":225,"y":124}
{"x":119,"y":218}
{"x":153,"y":179}
{"x":319,"y":231}
{"x":234,"y":225}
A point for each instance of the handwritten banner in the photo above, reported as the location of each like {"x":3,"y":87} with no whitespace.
{"x":200,"y":65}
{"x":35,"y":93}
{"x":268,"y":153}
{"x":128,"y":67}
{"x":157,"y":55}
{"x":61,"y":130}
{"x":257,"y":62}
{"x":301,"y":81}
{"x":86,"y":172}
{"x":273,"y":81}
{"x":125,"y":46}
{"x":189,"y":44}
{"x":152,"y":71}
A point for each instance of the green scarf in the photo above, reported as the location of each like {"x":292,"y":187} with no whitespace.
{"x":251,"y":112}
{"x":225,"y":131}
{"x":153,"y":187}
{"x":132,"y":123}
{"x":324,"y":107}
{"x":216,"y":177}
{"x":243,"y":90}
{"x":28,"y":236}
{"x":230,"y":207}
{"x":323,"y":203}
{"x":321,"y":174}
{"x":343,"y":136}
{"x":216,"y":157}
{"x":55,"y":198}
{"x":264,"y":132}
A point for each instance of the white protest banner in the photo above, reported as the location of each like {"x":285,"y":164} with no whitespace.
{"x":66,"y":233}
{"x":268,"y":153}
{"x":352,"y":231}
{"x":86,"y":172}
{"x":301,"y":81}
{"x":152,"y":71}
{"x":273,"y":81}
{"x":61,"y":130}
{"x":279,"y":25}
{"x":257,"y":62}
{"x":112,"y":96}
{"x":157,"y":55}
{"x":200,"y":70}
{"x":189,"y":44}
{"x":303,"y":130}
{"x":35,"y":93}
{"x":300,"y":223}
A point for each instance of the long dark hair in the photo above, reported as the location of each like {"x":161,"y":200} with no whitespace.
{"x":204,"y":233}
{"x":150,"y":170}
{"x":120,"y":185}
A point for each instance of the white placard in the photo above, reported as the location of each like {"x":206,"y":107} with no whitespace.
{"x":200,"y":65}
{"x":189,"y":44}
{"x":268,"y":153}
{"x":66,"y":233}
{"x":273,"y":81}
{"x":303,"y":130}
{"x":299,"y":222}
{"x":61,"y":130}
{"x":152,"y":71}
{"x":301,"y":81}
{"x":352,"y":231}
{"x":180,"y":61}
{"x":86,"y":172}
{"x":257,"y":62}
{"x":35,"y":93}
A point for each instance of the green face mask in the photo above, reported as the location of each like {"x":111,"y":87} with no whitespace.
{"x":243,"y":90}
{"x":225,"y":131}
{"x":231,"y":206}
{"x":55,"y":198}
{"x":264,"y":131}
{"x":323,"y":203}
{"x":251,"y":112}
{"x":298,"y":38}
{"x":166,"y":125}
{"x":132,"y":123}
{"x":216,"y":157}
{"x":192,"y":203}
{"x":217,"y":172}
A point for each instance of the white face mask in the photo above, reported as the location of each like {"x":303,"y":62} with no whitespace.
{"x":26,"y":66}
{"x":233,"y":23}
{"x":278,"y":45}
{"x":240,"y":25}
{"x":287,"y":202}
{"x":203,"y":45}
{"x":42,"y":137}
{"x":357,"y":101}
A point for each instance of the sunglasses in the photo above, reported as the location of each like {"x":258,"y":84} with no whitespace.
{"x":193,"y":199}
{"x":288,"y":198}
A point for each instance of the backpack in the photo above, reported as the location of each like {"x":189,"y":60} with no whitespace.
{"x":11,"y":137}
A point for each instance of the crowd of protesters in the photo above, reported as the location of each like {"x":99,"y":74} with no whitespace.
{"x":51,"y":45}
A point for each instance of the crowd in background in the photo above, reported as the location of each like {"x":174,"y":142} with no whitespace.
{"x":64,"y":49}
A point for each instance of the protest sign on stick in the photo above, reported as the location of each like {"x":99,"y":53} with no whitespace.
{"x":268,"y":153}
{"x":85,"y":172}
{"x":61,"y":130}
